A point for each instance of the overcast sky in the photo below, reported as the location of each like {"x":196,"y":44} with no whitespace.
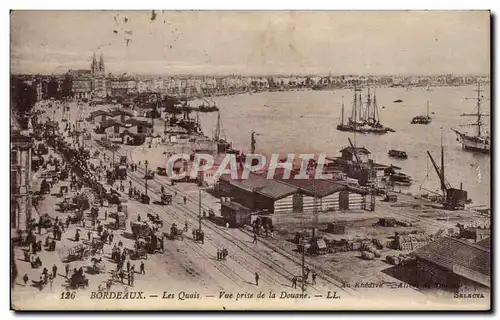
{"x":340,"y":42}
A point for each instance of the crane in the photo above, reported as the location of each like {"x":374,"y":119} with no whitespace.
{"x":454,"y":198}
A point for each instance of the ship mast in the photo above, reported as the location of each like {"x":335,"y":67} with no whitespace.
{"x":443,"y":187}
{"x":367,"y":109}
{"x":478,"y":104}
{"x":478,"y":114}
{"x":376,"y":116}
{"x":355,"y":105}
{"x":342,"y":121}
{"x":427,"y":108}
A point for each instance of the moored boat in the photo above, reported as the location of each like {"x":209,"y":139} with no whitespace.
{"x":478,"y":142}
{"x":398,"y":154}
{"x":422,"y":119}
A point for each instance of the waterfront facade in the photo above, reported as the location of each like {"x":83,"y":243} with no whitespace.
{"x":21,"y":146}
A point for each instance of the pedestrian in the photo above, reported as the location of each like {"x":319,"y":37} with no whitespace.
{"x":128,"y":278}
{"x":256,"y":279}
{"x":108,"y":285}
{"x":77,"y":235}
{"x":313,"y":275}
{"x":122,"y":275}
{"x":111,"y":236}
{"x":51,"y":279}
{"x":128,"y":266}
{"x":139,"y":218}
{"x":68,"y":221}
{"x":25,"y":279}
{"x":89,"y":234}
{"x":225,"y":253}
{"x":141,"y":268}
{"x":54,"y":271}
{"x":106,"y":215}
{"x":185,"y":199}
{"x":254,"y":238}
{"x":294,"y":282}
{"x":218,"y":254}
{"x":83,"y":222}
{"x":66,"y":269}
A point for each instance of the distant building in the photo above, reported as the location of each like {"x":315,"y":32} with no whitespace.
{"x":87,"y":83}
{"x":82,"y":87}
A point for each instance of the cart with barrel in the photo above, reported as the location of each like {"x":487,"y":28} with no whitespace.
{"x":78,"y":252}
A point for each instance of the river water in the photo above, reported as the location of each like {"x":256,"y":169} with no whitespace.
{"x":305,"y":122}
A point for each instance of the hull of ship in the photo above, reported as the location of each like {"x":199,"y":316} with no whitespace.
{"x":473,"y":145}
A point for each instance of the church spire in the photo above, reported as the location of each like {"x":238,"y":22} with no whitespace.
{"x":93,"y":66}
{"x":101,"y":64}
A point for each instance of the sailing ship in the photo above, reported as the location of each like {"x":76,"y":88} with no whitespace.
{"x":422,"y":119}
{"x":207,"y":107}
{"x":223,"y":146}
{"x":479,"y":142}
{"x":365,"y":117}
{"x":341,"y":126}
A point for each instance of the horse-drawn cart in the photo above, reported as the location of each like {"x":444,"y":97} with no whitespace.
{"x":176,"y":233}
{"x":155,"y":220}
{"x":78,"y":252}
{"x":140,"y":229}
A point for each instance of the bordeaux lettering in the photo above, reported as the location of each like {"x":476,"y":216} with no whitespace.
{"x":117,"y":295}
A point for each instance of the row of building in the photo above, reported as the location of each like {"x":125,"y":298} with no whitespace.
{"x":95,"y":83}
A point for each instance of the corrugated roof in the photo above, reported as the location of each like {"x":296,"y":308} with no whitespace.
{"x":277,"y":190}
{"x":97,"y":113}
{"x":447,"y":252}
{"x":485,"y":243}
{"x":115,"y":112}
{"x":109,"y":123}
{"x":253,"y":183}
{"x":135,"y":122}
{"x":235,"y":206}
{"x":319,"y":187}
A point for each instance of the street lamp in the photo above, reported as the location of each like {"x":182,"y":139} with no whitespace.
{"x":304,"y":245}
{"x":146,"y":177}
{"x":199,"y":208}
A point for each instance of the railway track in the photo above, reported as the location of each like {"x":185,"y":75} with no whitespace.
{"x":323,"y":274}
{"x":238,"y":258}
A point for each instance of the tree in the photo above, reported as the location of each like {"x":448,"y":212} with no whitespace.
{"x":23,"y":95}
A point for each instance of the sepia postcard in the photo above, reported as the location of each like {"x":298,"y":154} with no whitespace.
{"x":250,"y":160}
